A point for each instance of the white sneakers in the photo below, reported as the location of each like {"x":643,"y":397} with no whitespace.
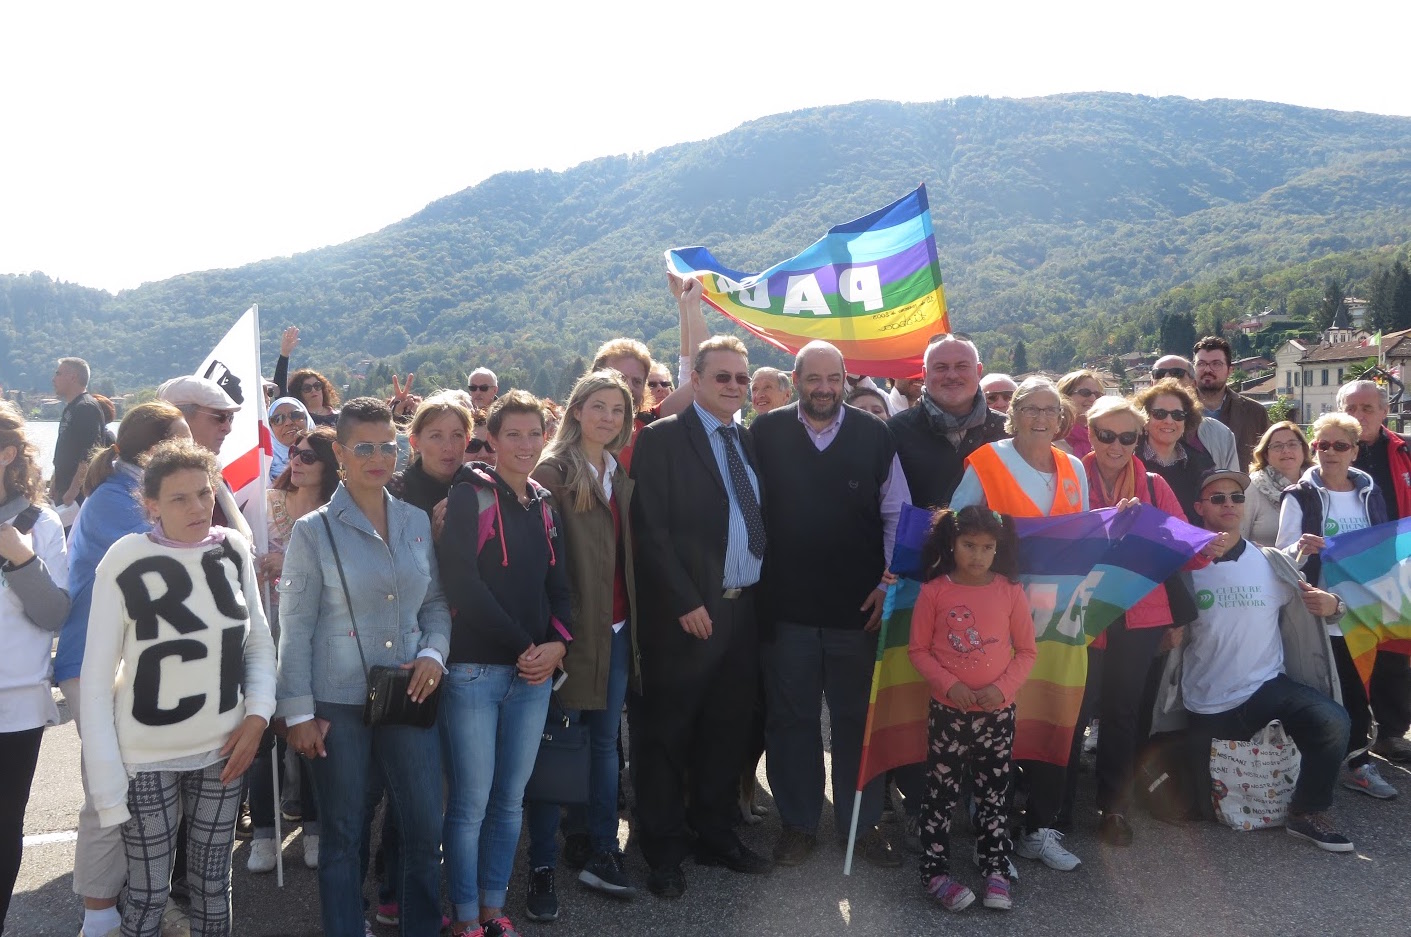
{"x":1045,"y":846}
{"x":311,"y":850}
{"x":262,"y":855}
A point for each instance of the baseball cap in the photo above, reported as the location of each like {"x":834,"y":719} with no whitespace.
{"x":1210,"y":476}
{"x":199,"y":391}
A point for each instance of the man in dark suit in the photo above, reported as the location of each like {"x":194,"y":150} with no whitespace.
{"x":700,"y":541}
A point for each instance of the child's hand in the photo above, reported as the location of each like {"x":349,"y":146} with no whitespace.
{"x":962,"y":696}
{"x":989,"y":697}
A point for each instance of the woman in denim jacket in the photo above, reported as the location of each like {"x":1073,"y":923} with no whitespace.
{"x":402,"y":619}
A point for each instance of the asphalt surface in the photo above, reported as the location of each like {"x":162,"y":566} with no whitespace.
{"x":1174,"y":880}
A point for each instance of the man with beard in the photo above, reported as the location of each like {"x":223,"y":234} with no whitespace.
{"x":950,"y":422}
{"x":1246,"y":418}
{"x":833,"y":490}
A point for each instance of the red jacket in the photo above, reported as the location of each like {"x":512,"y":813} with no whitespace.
{"x":1399,"y":457}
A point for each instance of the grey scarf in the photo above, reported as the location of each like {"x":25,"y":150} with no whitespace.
{"x":952,"y":427}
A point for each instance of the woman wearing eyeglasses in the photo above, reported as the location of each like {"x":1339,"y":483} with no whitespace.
{"x":1280,"y":459}
{"x":1082,"y":388}
{"x":502,"y":560}
{"x":1333,"y":498}
{"x":1172,"y":414}
{"x":309,"y":478}
{"x":287,"y":419}
{"x":1027,"y":476}
{"x":386,"y":609}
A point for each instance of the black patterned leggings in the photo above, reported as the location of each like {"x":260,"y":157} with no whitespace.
{"x":161,"y":802}
{"x":982,"y":741}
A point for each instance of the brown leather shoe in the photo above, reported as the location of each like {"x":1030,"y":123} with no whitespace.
{"x":877,"y":849}
{"x":794,"y":847}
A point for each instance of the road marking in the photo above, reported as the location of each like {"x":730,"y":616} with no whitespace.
{"x":42,"y":839}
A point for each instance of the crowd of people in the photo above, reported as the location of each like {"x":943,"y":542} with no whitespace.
{"x":710,"y":555}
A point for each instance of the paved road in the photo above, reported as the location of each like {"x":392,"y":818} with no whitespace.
{"x":1176,"y":880}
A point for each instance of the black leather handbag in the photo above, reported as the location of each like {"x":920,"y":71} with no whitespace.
{"x":387,"y":702}
{"x":561,"y":769}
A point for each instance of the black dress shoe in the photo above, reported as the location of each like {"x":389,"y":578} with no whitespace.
{"x":667,"y":882}
{"x":877,"y":849}
{"x":794,"y":847}
{"x":738,"y":858}
{"x":1115,"y":830}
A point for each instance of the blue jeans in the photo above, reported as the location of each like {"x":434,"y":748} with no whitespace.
{"x":1317,"y":725}
{"x":410,"y":760}
{"x":599,"y":818}
{"x":491,"y":723}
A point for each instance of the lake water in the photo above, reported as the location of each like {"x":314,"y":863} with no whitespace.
{"x":45,"y":434}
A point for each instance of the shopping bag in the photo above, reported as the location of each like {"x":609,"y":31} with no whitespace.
{"x":1252,"y":782}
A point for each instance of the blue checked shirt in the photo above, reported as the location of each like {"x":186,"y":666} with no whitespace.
{"x":741,"y":566}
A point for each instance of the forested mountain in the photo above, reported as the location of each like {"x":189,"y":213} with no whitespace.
{"x":1072,"y":221}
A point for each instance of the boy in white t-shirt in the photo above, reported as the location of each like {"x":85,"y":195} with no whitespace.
{"x":1255,"y":654}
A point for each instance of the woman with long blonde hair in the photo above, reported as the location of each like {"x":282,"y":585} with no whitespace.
{"x":594,"y":495}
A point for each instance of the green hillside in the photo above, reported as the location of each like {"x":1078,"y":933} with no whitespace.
{"x":1065,"y":220}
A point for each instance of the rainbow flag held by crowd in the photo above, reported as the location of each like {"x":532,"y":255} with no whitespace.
{"x":1370,"y":569}
{"x":872,"y":287}
{"x":1080,"y":572}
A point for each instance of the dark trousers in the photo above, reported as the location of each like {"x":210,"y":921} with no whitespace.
{"x":1045,"y":784}
{"x":261,"y":780}
{"x":1391,"y":694}
{"x":1125,"y":666}
{"x":692,"y":726}
{"x":1354,"y":700}
{"x":19,"y":754}
{"x":1317,"y":724}
{"x":977,"y":743}
{"x":802,"y":667}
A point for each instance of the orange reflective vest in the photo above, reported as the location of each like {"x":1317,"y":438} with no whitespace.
{"x":1003,"y":493}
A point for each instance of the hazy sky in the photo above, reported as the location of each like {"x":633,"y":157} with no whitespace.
{"x":143,"y":140}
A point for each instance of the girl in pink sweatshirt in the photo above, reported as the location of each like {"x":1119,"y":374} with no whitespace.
{"x":972,"y":639}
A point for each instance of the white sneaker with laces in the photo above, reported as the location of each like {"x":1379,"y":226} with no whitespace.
{"x":262,"y":855}
{"x":1045,"y":846}
{"x":311,"y":850}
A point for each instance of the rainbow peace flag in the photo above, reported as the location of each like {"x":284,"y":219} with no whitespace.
{"x":872,"y":287}
{"x":1080,"y":571}
{"x":1370,"y":569}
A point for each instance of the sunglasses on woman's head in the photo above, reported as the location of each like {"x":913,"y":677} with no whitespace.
{"x":1107,"y":437}
{"x":1323,"y":445}
{"x":474,"y":445}
{"x":1220,"y":499}
{"x":306,"y":456}
{"x":365,"y":450}
{"x":1156,"y":413}
{"x":297,"y":416}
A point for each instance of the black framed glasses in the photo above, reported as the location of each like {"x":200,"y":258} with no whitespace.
{"x":473,"y":445}
{"x":659,"y":385}
{"x":480,"y":387}
{"x":1107,"y":437}
{"x":1157,"y":413}
{"x":1236,"y":498}
{"x":306,"y":456}
{"x":366,"y":450}
{"x":1086,"y":392}
{"x":279,"y":419}
{"x":994,"y":395}
{"x":1323,"y":445}
{"x":1178,"y":373}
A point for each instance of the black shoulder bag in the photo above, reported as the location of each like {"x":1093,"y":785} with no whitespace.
{"x":561,"y":767}
{"x":387,"y":702}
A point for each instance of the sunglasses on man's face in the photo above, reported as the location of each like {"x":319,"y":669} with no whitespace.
{"x":481,"y":388}
{"x":306,"y":456}
{"x":1156,"y":413}
{"x":1177,"y":373}
{"x":1220,"y":499}
{"x":659,"y":385}
{"x":279,"y":419}
{"x":1323,"y":445}
{"x":221,"y":417}
{"x":994,"y":395}
{"x":1107,"y":437}
{"x":366,"y":450}
{"x":474,"y":445}
{"x":725,"y":377}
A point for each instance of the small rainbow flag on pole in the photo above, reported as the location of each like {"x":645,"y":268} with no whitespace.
{"x":1080,"y":571}
{"x":872,"y":287}
{"x":1370,"y":569}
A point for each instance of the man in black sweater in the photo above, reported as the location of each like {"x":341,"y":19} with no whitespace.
{"x":833,"y":491}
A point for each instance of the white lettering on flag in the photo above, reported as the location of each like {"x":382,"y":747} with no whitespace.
{"x":861,"y":285}
{"x":805,"y":295}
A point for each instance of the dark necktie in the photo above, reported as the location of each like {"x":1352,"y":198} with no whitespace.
{"x":744,"y":493}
